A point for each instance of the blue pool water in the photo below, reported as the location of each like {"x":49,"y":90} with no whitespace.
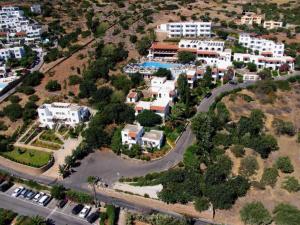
{"x":2,"y":85}
{"x":159,"y":65}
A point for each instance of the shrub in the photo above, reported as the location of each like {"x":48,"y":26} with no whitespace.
{"x":34,"y":98}
{"x":201,"y":204}
{"x":6,"y":216}
{"x":111,"y":213}
{"x":238,"y":150}
{"x":14,"y":99}
{"x":53,"y":85}
{"x":74,"y":79}
{"x":13,"y":111}
{"x":255,"y":213}
{"x":79,"y":197}
{"x":285,"y":214}
{"x":284,"y":164}
{"x":291,"y":184}
{"x":269,"y":176}
{"x":283,"y":127}
{"x":248,"y":166}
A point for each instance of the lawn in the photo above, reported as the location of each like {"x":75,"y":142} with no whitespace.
{"x":44,"y":144}
{"x":28,"y":157}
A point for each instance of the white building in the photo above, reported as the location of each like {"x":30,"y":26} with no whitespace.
{"x":163,"y":89}
{"x":36,"y":8}
{"x":159,"y":106}
{"x":263,"y":46}
{"x":186,"y":29}
{"x":265,"y":62}
{"x":153,"y":139}
{"x":16,"y":28}
{"x":271,"y":24}
{"x":211,"y":53}
{"x":132,"y":134}
{"x":12,"y":52}
{"x":250,"y":77}
{"x":132,"y":97}
{"x":250,"y":18}
{"x":62,"y":113}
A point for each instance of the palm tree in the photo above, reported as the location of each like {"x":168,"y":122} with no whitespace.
{"x":37,"y":220}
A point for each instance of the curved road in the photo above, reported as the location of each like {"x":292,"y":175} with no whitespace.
{"x":111,"y":167}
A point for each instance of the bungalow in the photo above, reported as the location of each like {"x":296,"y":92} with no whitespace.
{"x":132,"y":97}
{"x":159,"y":106}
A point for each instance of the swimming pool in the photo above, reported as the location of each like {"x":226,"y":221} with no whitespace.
{"x":159,"y":65}
{"x":3,"y":85}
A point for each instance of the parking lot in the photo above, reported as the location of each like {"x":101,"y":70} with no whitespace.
{"x":28,"y":207}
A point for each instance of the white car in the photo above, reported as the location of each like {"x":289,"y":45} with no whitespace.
{"x":38,"y":196}
{"x":17,"y":191}
{"x":85,"y":211}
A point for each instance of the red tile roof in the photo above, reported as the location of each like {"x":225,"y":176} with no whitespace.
{"x":132,"y":95}
{"x":157,"y":108}
{"x":164,"y":46}
{"x":207,"y":52}
{"x":188,"y":50}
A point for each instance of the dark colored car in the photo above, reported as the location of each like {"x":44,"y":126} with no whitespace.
{"x":62,"y":203}
{"x":233,"y":82}
{"x":77,"y":209}
{"x":208,"y":95}
{"x":30,"y":195}
{"x":93,"y":217}
{"x":5,"y":186}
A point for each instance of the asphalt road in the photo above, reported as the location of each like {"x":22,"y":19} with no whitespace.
{"x":24,"y":207}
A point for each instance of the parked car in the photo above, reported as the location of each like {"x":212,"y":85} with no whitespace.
{"x":85,"y":211}
{"x":5,"y":186}
{"x":93,"y":217}
{"x":233,"y":82}
{"x":77,"y":209}
{"x":62,"y":203}
{"x":45,"y":200}
{"x":208,"y":95}
{"x":38,"y":196}
{"x":24,"y":192}
{"x":17,"y":191}
{"x":30,"y":195}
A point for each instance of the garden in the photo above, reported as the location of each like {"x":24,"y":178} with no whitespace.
{"x":29,"y":157}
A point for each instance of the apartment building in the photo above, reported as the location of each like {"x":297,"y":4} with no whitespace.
{"x":159,"y":106}
{"x":263,"y":46}
{"x":11,"y":52}
{"x":250,"y":18}
{"x":62,"y":113}
{"x":134,"y":134}
{"x":261,"y":61}
{"x":16,"y":28}
{"x":271,"y":24}
{"x":186,"y":29}
{"x":250,"y":77}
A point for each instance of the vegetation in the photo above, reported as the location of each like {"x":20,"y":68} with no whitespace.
{"x":53,"y":85}
{"x":283,"y":127}
{"x":6,"y":216}
{"x":291,"y":184}
{"x":79,"y":197}
{"x":186,"y":57}
{"x":248,"y":166}
{"x":58,"y":192}
{"x":238,"y":150}
{"x":284,"y":165}
{"x":269,"y":176}
{"x":28,"y":157}
{"x":255,"y":213}
{"x":148,"y":118}
{"x":286,"y":214}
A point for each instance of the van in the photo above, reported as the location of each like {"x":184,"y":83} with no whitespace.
{"x":43,"y":200}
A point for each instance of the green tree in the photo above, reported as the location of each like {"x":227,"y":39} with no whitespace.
{"x":183,"y":88}
{"x":190,"y":158}
{"x":53,"y":85}
{"x":13,"y":111}
{"x":207,"y":77}
{"x":201,"y":204}
{"x":255,"y":213}
{"x":284,"y":164}
{"x":202,"y":127}
{"x":162,"y":72}
{"x":116,"y":141}
{"x":58,"y":192}
{"x":143,"y":45}
{"x":148,"y":118}
{"x":185,"y":57}
{"x":252,"y":67}
{"x":285,"y":214}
